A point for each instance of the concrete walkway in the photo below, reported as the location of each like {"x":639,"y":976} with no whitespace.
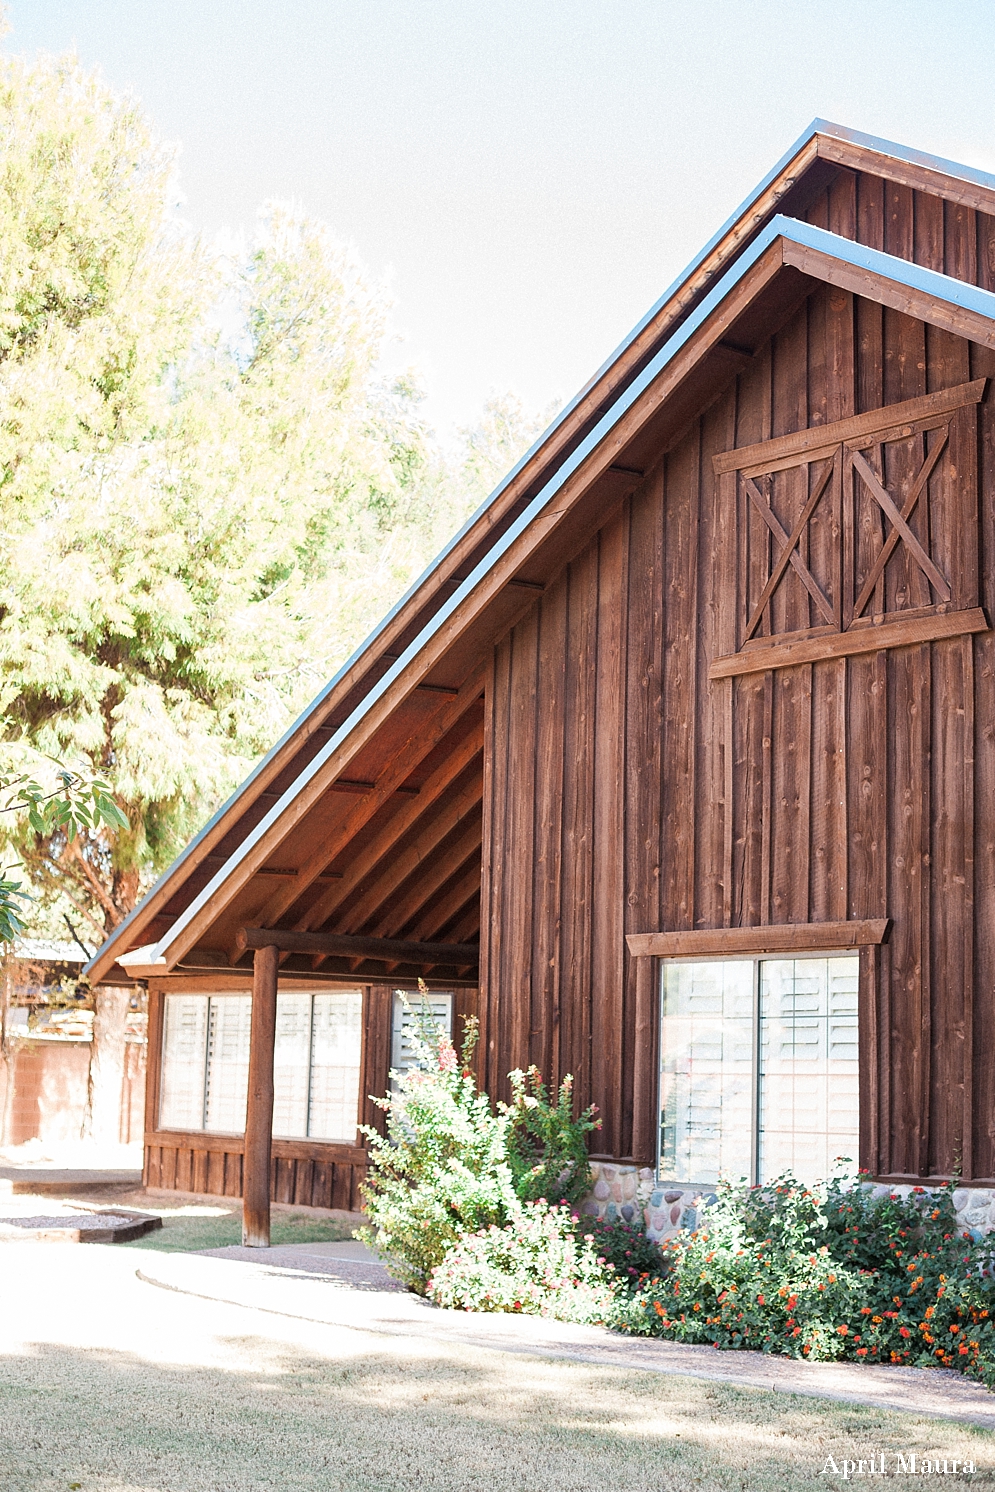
{"x":343,"y":1285}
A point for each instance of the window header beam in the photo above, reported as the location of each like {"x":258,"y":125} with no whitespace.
{"x":784,"y":937}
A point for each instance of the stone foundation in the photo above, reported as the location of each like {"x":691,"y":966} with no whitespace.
{"x":634,"y":1194}
{"x":663,"y":1208}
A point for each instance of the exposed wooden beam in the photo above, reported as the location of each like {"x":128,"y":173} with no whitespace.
{"x":277,"y":872}
{"x":399,"y":949}
{"x":468,"y":924}
{"x":458,"y":897}
{"x":416,"y":854}
{"x":354,"y":785}
{"x":383,"y":843}
{"x":435,"y":875}
{"x":453,"y":902}
{"x":425,"y":736}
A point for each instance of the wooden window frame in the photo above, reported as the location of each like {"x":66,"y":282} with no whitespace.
{"x":865,"y":937}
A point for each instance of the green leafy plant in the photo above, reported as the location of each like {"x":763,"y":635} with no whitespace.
{"x":441,"y":1169}
{"x":78,"y":801}
{"x":537,"y":1263}
{"x":547,"y":1146}
{"x":825,"y":1273}
{"x":634,"y":1257}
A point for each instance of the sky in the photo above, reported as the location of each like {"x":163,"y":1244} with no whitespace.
{"x":527,"y":176}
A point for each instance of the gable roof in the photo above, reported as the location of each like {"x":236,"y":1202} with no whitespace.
{"x":760,"y":260}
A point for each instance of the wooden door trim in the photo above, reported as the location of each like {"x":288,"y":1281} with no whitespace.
{"x":817,"y":441}
{"x":901,"y":633}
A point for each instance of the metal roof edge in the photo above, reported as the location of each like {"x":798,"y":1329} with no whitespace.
{"x":901,"y":271}
{"x":176,"y":866}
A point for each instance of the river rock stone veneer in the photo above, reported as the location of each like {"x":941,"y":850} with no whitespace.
{"x":633,"y":1193}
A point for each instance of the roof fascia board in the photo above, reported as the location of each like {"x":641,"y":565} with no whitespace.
{"x":904,"y":272}
{"x":940,"y":287}
{"x":904,"y":153}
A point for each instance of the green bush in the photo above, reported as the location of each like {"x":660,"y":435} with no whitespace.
{"x":536,"y":1264}
{"x":449,"y":1165}
{"x":634,"y":1257}
{"x":828,"y":1273}
{"x":441,"y":1170}
{"x":547,"y":1146}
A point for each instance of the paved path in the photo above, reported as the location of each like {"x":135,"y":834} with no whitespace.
{"x":342,"y":1285}
{"x":20,"y":1180}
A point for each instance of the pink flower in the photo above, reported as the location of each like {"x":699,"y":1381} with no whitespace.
{"x":447,"y":1057}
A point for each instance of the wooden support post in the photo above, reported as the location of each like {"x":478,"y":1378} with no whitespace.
{"x":259,"y":1106}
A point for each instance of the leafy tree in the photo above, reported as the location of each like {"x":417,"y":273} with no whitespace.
{"x":207,"y":489}
{"x":195,"y":466}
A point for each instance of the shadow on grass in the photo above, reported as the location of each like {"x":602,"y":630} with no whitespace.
{"x":182,"y":1232}
{"x":413,"y":1419}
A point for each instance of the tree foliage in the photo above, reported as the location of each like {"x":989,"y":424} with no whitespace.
{"x":208,"y":491}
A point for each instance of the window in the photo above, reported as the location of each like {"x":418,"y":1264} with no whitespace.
{"x":407,"y":1009}
{"x":205,"y":1064}
{"x":759,"y":1067}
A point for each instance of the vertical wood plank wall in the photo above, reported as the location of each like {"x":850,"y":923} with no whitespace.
{"x":860,"y":787}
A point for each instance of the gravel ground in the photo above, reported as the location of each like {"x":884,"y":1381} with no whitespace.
{"x":67,"y":1220}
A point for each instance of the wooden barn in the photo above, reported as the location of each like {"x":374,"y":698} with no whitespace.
{"x":676,"y":767}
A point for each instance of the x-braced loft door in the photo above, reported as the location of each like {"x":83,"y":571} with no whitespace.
{"x":856,"y":538}
{"x":848,"y":526}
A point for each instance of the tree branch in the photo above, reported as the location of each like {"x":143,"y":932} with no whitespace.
{"x":73,"y":851}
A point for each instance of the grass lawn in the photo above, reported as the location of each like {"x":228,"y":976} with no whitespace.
{"x":108,"y":1384}
{"x":206,"y":1226}
{"x":426,"y":1419}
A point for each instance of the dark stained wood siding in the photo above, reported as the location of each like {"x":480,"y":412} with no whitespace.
{"x":625,"y":791}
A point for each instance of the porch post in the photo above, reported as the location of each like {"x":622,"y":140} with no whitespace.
{"x":259,"y":1105}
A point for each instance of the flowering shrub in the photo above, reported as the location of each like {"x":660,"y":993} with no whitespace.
{"x":827,"y":1273}
{"x":634,"y":1257}
{"x":537,"y":1263}
{"x":547,"y":1146}
{"x":441,"y":1169}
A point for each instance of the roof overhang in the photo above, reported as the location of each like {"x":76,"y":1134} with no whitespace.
{"x":646,"y":366}
{"x":787,"y":254}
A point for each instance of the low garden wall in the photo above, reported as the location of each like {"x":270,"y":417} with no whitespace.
{"x":631,"y":1192}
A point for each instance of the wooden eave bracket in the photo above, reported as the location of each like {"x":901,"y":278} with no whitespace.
{"x":782,"y":937}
